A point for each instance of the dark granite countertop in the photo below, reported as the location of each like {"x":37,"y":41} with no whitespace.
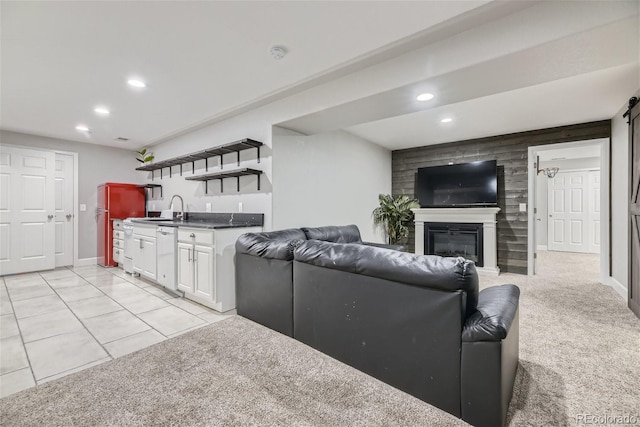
{"x":207,"y":220}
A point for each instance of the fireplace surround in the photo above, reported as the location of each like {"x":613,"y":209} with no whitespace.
{"x":485,"y":218}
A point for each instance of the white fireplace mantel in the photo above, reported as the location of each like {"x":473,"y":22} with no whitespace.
{"x":484,"y":216}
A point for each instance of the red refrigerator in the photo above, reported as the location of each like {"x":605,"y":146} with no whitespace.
{"x":116,"y":201}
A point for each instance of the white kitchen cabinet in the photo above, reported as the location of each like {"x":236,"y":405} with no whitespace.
{"x":118,"y":242}
{"x":206,"y":267}
{"x":144,"y":251}
{"x":196,"y":264}
{"x":204,"y":277}
{"x":185,"y":268}
{"x":196,"y":270}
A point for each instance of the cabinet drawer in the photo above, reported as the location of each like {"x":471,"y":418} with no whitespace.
{"x":118,"y":234}
{"x":190,"y":235}
{"x":117,"y":224}
{"x":118,"y":243}
{"x":144,"y":231}
{"x":118,"y":255}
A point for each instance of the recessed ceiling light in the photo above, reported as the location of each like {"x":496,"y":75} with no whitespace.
{"x":447,"y":120}
{"x":425,"y":96}
{"x":82,"y":128}
{"x":102,"y":110}
{"x":136,"y":83}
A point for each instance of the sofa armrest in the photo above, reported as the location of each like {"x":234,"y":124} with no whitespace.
{"x":497,"y":307}
{"x":273,"y":244}
{"x":400,"y":248}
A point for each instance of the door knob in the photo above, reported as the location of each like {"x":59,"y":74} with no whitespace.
{"x":50,"y":216}
{"x":192,"y":235}
{"x":69,"y":217}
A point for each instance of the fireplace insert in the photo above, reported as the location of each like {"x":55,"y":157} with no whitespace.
{"x":454,"y":239}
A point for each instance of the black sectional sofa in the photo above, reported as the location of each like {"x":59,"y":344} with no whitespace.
{"x":416,"y":322}
{"x":264,"y":271}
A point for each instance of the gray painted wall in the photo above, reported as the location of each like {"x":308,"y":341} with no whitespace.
{"x":332,"y":178}
{"x":96,"y":164}
{"x":511,"y":152}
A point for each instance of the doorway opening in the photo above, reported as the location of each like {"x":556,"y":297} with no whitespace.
{"x":569,"y":207}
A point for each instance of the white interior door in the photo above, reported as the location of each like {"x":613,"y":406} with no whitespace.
{"x":64,"y":210}
{"x":568,"y":210}
{"x":27,"y":205}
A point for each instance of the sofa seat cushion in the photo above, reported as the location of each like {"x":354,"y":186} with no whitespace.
{"x":449,"y":274}
{"x":335,"y":234}
{"x":274,"y":244}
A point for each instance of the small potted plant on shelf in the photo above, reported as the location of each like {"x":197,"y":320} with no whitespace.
{"x":395,"y":215}
{"x":143,"y":156}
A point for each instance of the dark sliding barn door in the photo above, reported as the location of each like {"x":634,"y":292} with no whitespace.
{"x":634,"y":210}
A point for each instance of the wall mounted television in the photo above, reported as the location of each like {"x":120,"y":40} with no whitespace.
{"x":461,"y":185}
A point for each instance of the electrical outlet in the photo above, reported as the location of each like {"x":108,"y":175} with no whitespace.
{"x":523,"y":207}
{"x":153,"y":206}
{"x":208,"y":207}
{"x":240,"y":207}
{"x":83,"y":207}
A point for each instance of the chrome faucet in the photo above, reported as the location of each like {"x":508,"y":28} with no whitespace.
{"x":179,"y":215}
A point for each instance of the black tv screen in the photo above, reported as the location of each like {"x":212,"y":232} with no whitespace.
{"x":461,"y":185}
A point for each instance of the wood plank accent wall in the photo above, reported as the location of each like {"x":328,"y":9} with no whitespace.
{"x":511,"y":152}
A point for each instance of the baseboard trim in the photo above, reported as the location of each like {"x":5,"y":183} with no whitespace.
{"x":83,"y":262}
{"x":618,"y":287}
{"x":541,"y":247}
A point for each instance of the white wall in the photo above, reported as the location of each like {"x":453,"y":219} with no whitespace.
{"x":620,"y":199}
{"x":590,"y":163}
{"x":96,"y":164}
{"x":328,"y":179}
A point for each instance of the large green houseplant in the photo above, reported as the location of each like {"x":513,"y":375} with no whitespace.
{"x":395,"y":215}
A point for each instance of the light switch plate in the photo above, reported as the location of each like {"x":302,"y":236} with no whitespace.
{"x":83,"y":207}
{"x":523,"y":207}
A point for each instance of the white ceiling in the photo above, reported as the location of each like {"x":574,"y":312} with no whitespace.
{"x":495,"y":67}
{"x":200,"y":59}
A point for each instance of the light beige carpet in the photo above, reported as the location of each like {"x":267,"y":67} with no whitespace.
{"x":579,"y":345}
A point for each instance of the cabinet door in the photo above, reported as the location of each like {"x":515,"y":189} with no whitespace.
{"x":149,"y":257}
{"x":204,"y":277}
{"x":185,"y":267}
{"x":136,"y":255}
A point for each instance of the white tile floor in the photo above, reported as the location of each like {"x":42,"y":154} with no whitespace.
{"x":57,"y":322}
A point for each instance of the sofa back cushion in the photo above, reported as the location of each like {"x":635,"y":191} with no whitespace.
{"x":448,"y":274}
{"x":335,"y":234}
{"x":274,"y":244}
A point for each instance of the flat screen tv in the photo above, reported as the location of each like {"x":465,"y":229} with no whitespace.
{"x":461,"y":185}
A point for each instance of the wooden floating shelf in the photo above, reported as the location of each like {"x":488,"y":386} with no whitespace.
{"x":237,"y":173}
{"x":232,"y":147}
